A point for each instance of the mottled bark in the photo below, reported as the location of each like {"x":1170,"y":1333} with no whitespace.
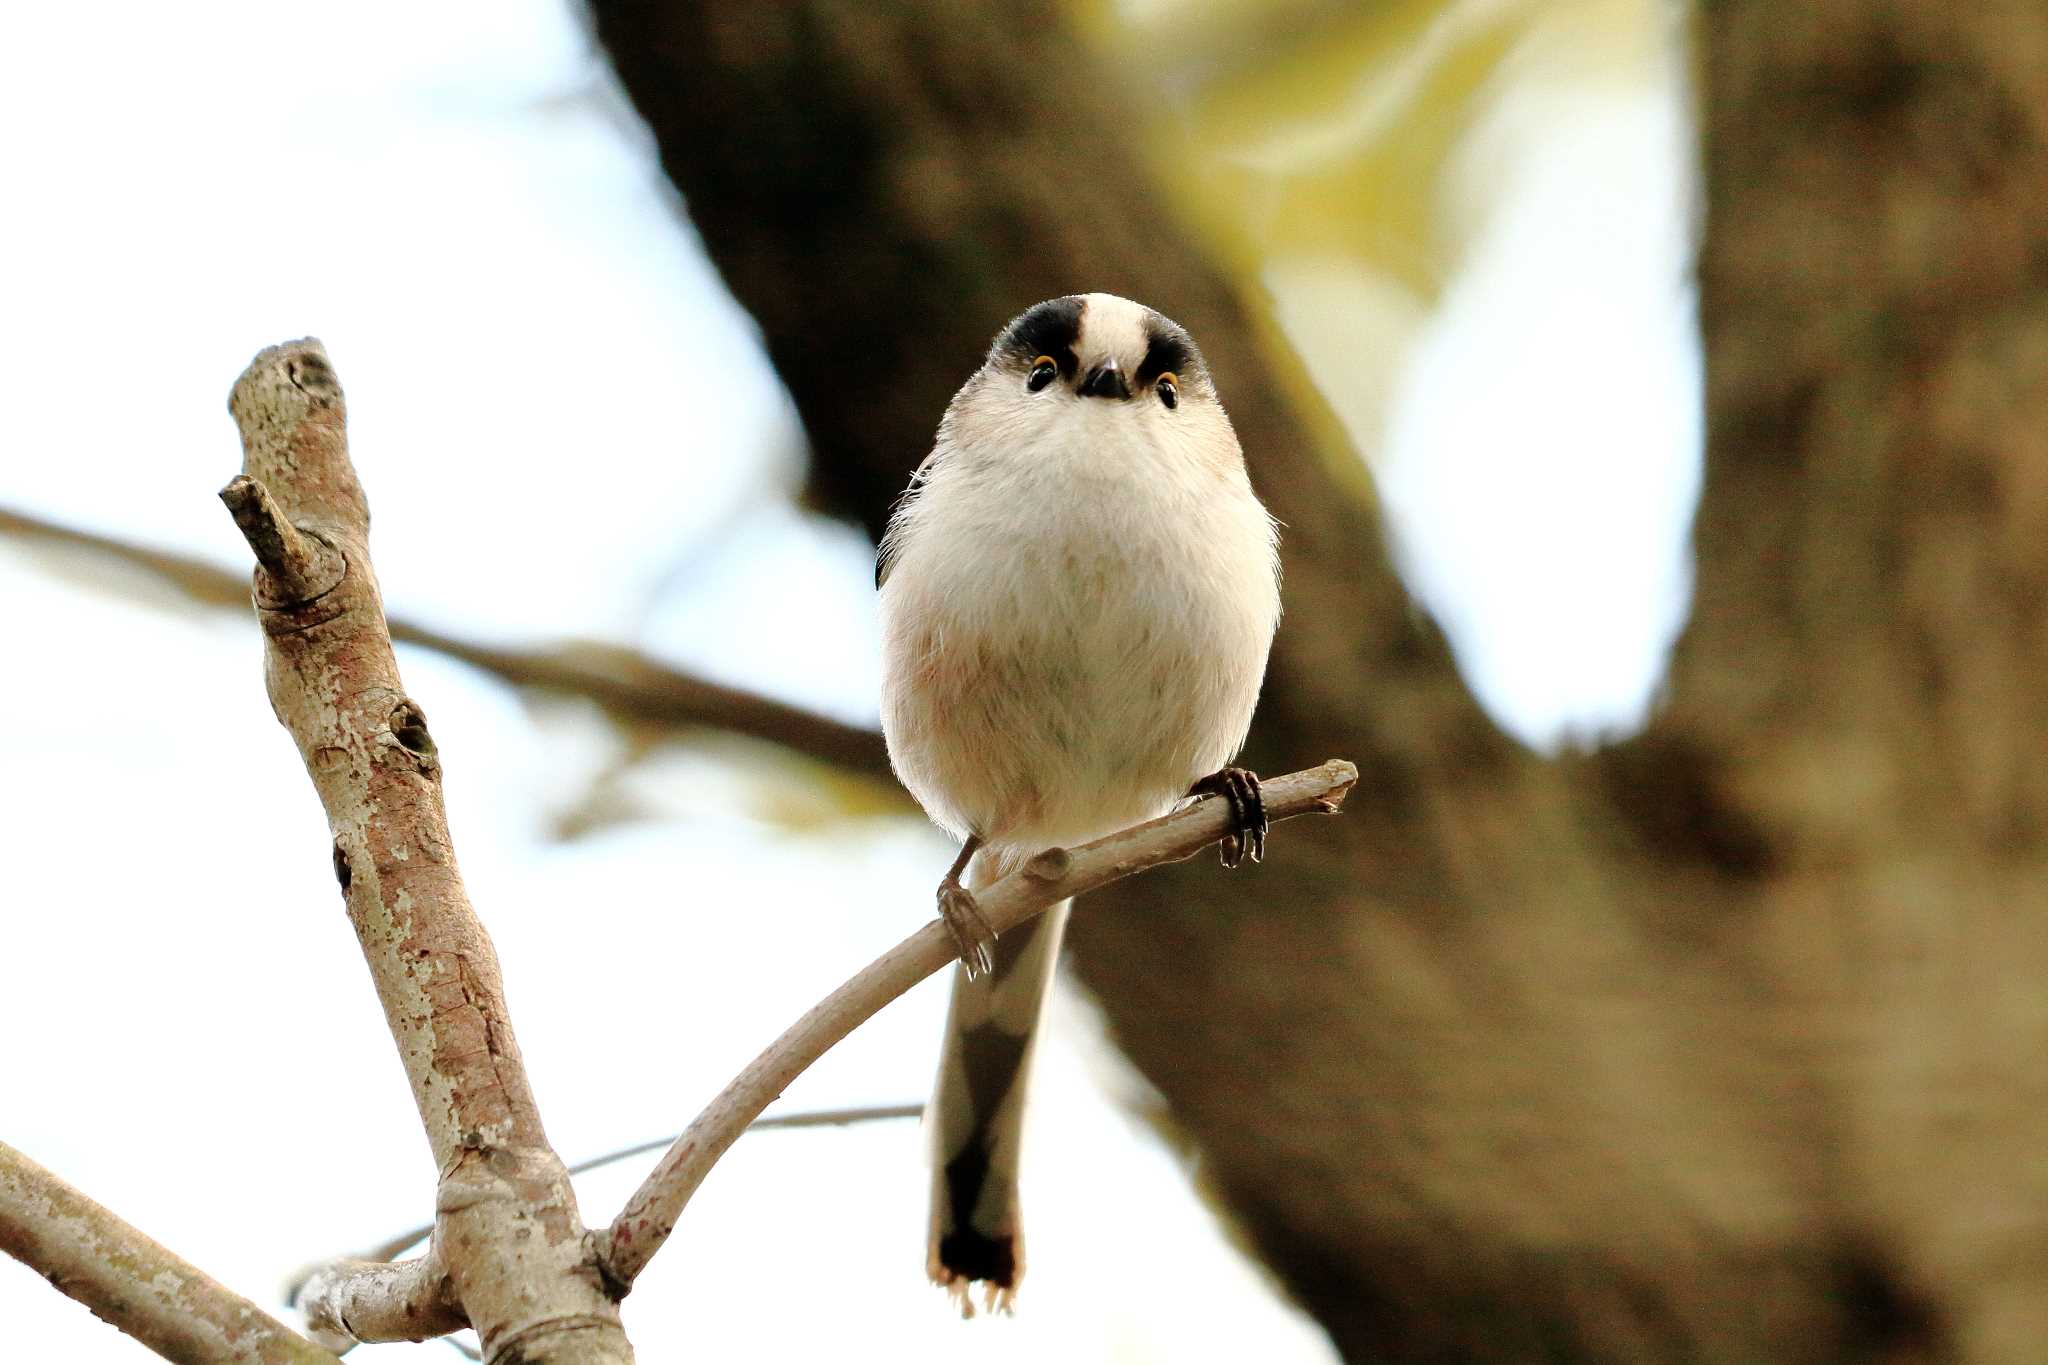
{"x":1717,"y":1045}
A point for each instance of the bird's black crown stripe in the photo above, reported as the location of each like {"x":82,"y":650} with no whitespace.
{"x":1050,"y":328}
{"x":1168,"y":348}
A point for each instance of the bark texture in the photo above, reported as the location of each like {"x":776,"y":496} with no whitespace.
{"x":1718,"y":1045}
{"x":131,"y":1282}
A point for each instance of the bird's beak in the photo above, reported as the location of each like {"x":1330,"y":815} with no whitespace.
{"x":1106,"y":381}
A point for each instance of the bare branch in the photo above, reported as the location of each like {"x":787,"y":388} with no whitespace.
{"x":633,"y":686}
{"x":131,"y":1282}
{"x":516,"y":1254}
{"x":1054,"y":875}
{"x":207,"y":584}
{"x":628,"y":684}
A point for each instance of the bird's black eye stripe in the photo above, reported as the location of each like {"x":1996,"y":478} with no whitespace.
{"x":1167,"y":349}
{"x":1049,"y":329}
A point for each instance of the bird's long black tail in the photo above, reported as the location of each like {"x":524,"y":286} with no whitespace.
{"x":976,"y":1118}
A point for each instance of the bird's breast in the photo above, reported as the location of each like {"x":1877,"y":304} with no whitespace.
{"x":1068,"y":647}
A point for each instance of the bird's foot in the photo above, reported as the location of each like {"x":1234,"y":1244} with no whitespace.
{"x":971,"y":934}
{"x":1240,"y":787}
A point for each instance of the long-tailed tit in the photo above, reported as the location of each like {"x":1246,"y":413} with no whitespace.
{"x":1078,"y":594}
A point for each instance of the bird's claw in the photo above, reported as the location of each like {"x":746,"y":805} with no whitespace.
{"x":971,"y":934}
{"x":1239,"y":787}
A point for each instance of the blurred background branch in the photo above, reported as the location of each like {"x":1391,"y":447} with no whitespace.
{"x":627,"y":684}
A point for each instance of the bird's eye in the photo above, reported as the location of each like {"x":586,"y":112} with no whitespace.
{"x":1169,"y":389}
{"x":1042,"y":371}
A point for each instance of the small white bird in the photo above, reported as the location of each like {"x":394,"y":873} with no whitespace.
{"x":1079,"y":591}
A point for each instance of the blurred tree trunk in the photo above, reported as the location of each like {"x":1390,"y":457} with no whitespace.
{"x":1721,"y":1044}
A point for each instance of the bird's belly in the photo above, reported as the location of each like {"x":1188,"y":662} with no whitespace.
{"x":1062,"y":687}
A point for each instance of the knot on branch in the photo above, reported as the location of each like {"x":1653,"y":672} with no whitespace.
{"x":293,"y":567}
{"x":307,"y":367}
{"x":290,"y":375}
{"x":409,"y":729}
{"x":1049,"y":865}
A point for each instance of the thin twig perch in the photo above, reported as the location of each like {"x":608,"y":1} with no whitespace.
{"x":650,"y":1215}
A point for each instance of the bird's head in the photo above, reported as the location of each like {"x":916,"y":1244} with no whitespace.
{"x":1103,"y":349}
{"x":1094,"y":377}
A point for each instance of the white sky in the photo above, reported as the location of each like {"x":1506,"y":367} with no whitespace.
{"x":442,"y":193}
